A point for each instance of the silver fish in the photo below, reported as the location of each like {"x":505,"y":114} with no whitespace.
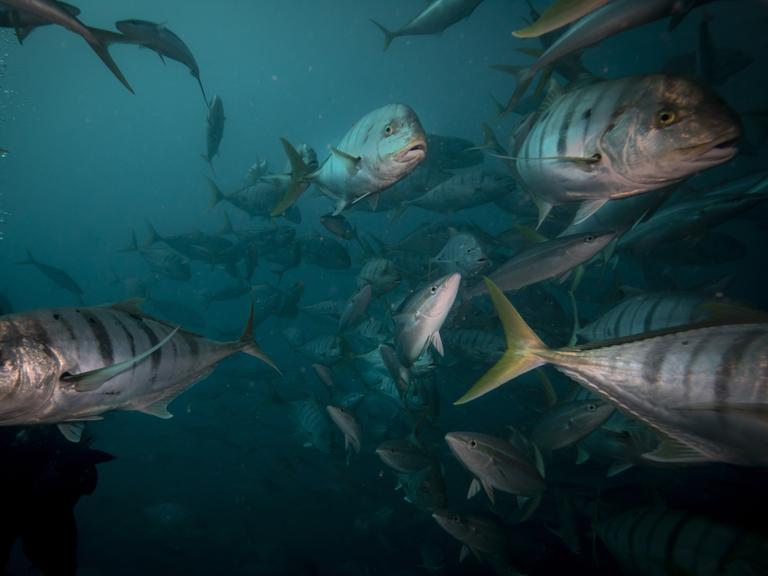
{"x":462,"y":254}
{"x":348,"y":424}
{"x":568,"y":422}
{"x":214,"y":128}
{"x":55,"y":275}
{"x":356,"y":308}
{"x":463,"y":191}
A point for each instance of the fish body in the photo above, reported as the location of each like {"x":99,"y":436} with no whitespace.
{"x":338,"y":226}
{"x":163,"y":261}
{"x":462,"y":254}
{"x":618,"y":138}
{"x":451,"y":153}
{"x":481,"y":534}
{"x":257,"y":199}
{"x":559,"y":14}
{"x":466,"y":190}
{"x":214,"y":128}
{"x":423,"y":314}
{"x":72,"y":364}
{"x":424,"y":489}
{"x":324,"y":350}
{"x":55,"y":275}
{"x":381,"y":274}
{"x":25,"y":22}
{"x":313,"y":425}
{"x":433,"y":19}
{"x":473,"y":344}
{"x":356,"y":308}
{"x":380,"y":149}
{"x":403,"y":455}
{"x":567,"y":423}
{"x":348,"y":424}
{"x":701,"y":387}
{"x":324,"y":251}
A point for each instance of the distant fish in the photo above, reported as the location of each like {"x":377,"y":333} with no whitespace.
{"x":349,"y":426}
{"x":214,"y":129}
{"x":338,"y":226}
{"x":404,"y":455}
{"x":162,"y":260}
{"x":433,"y":19}
{"x":55,"y":275}
{"x":483,"y":536}
{"x":356,"y":308}
{"x":257,"y":199}
{"x":462,"y":253}
{"x":381,"y":274}
{"x":160,"y":39}
{"x":313,"y":425}
{"x":56,"y":13}
{"x":568,"y":422}
{"x":380,"y":149}
{"x":69,"y":365}
{"x":25,"y":22}
{"x":324,"y":251}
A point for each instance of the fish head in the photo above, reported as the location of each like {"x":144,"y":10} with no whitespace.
{"x":28,"y":371}
{"x":589,"y":414}
{"x":675,"y":128}
{"x":437,"y":298}
{"x":136,"y":28}
{"x":469,"y":448}
{"x":398,"y":141}
{"x":588,"y":244}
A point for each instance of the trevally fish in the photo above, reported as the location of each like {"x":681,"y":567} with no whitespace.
{"x":355,"y":308}
{"x":214,"y":128}
{"x":160,"y":39}
{"x":462,"y":254}
{"x":324,"y":350}
{"x":381,"y":148}
{"x":617,"y":138}
{"x":419,"y":320}
{"x":482,"y":535}
{"x":55,"y":275}
{"x":313,"y":425}
{"x":433,"y":19}
{"x":550,"y":259}
{"x":381,"y":274}
{"x":257,"y":200}
{"x":451,"y":153}
{"x":651,"y":377}
{"x":65,"y":365}
{"x":404,"y":455}
{"x":568,"y":422}
{"x":162,"y":260}
{"x":24,"y":22}
{"x":348,"y":424}
{"x":57,"y":13}
{"x":462,"y":191}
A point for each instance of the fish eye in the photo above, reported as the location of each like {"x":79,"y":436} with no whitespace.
{"x":625,"y":434}
{"x":666,"y":117}
{"x":589,"y":239}
{"x":591,"y":407}
{"x":473,"y":443}
{"x":389,"y":130}
{"x":433,"y":289}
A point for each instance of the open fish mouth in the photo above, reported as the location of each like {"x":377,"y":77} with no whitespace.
{"x":416,"y":150}
{"x":717,"y":150}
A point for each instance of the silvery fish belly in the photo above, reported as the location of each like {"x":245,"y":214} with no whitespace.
{"x":70,"y":364}
{"x":622,"y":137}
{"x":379,"y":150}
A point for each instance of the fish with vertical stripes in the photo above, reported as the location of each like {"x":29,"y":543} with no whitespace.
{"x":65,"y":365}
{"x":703,"y":388}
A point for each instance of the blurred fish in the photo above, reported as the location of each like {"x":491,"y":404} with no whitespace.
{"x":474,"y":345}
{"x":324,"y":251}
{"x":193,"y":245}
{"x":232,"y":292}
{"x":462,"y":254}
{"x":482,"y":535}
{"x":25,"y":22}
{"x":381,"y":274}
{"x":569,"y":422}
{"x":663,"y":541}
{"x":256,"y":200}
{"x":61,"y":14}
{"x":160,"y":39}
{"x":214,"y":129}
{"x":650,"y":377}
{"x":706,"y":249}
{"x":349,"y":426}
{"x":465,"y":190}
{"x":559,"y":14}
{"x":338,"y":226}
{"x":451,"y":153}
{"x":404,"y":455}
{"x":551,"y":259}
{"x":424,"y":489}
{"x":419,"y":320}
{"x":325,"y":376}
{"x":356,"y":308}
{"x":68,"y":365}
{"x":55,"y":275}
{"x":433,"y":19}
{"x":330,"y":310}
{"x":361,"y":165}
{"x":621,"y":447}
{"x":325,"y":350}
{"x":575,"y":147}
{"x":313,"y":425}
{"x":294,"y":336}
{"x":163,"y":261}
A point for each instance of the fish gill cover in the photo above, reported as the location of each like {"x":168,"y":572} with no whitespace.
{"x":490,"y":300}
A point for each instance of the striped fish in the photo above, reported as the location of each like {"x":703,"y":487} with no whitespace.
{"x":618,"y":138}
{"x":381,"y":274}
{"x":471,"y":344}
{"x":63,"y":365}
{"x":313,"y":425}
{"x":704,"y":388}
{"x":664,"y":542}
{"x":463,"y":191}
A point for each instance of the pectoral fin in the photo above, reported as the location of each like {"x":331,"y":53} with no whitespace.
{"x":672,"y":451}
{"x":437,"y":343}
{"x":587,"y":209}
{"x":158,"y":409}
{"x":94,"y":379}
{"x":72,"y":431}
{"x":352,"y":162}
{"x":474,"y":488}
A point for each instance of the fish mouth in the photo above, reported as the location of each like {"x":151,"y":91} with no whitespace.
{"x":719,"y":149}
{"x":414,"y":151}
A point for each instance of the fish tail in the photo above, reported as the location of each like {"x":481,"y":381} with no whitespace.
{"x":99,"y":42}
{"x":576,"y":325}
{"x":210,"y":162}
{"x":153,"y":237}
{"x":226,"y":228}
{"x":524,"y":348}
{"x":299,"y":173}
{"x":388,"y":35}
{"x":248,"y":344}
{"x":216,"y":195}
{"x":133,"y":246}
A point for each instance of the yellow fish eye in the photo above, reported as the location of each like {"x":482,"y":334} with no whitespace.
{"x":388,"y":130}
{"x":666,"y":117}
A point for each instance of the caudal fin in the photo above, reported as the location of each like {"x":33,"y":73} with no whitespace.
{"x":153,"y":237}
{"x":216,"y":195}
{"x":133,"y":246}
{"x":250,"y":347}
{"x":99,"y":42}
{"x":298,"y":184}
{"x":523,"y":348}
{"x":388,"y":35}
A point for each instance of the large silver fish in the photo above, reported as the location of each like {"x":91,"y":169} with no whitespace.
{"x":701,"y":387}
{"x":618,"y":138}
{"x":433,"y":19}
{"x":65,"y":365}
{"x":381,"y":148}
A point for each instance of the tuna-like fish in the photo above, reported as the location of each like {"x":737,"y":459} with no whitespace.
{"x":419,"y":321}
{"x":381,"y":148}
{"x":567,"y":423}
{"x":25,"y":22}
{"x":55,"y":275}
{"x":433,"y":19}
{"x":462,"y":191}
{"x":65,"y":365}
{"x":559,"y":14}
{"x":56,"y":13}
{"x":214,"y":128}
{"x":160,"y":39}
{"x":257,"y":199}
{"x":618,"y":138}
{"x":701,"y":387}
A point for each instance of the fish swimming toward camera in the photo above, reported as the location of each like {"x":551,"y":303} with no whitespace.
{"x":65,"y":366}
{"x":160,"y":39}
{"x":618,"y":138}
{"x":383,"y":147}
{"x":699,"y":386}
{"x":214,"y":129}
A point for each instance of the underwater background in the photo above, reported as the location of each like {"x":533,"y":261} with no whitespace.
{"x":238,"y":481}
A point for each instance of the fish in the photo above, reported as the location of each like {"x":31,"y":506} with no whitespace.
{"x":338,"y":226}
{"x":380,"y":149}
{"x":68,"y":365}
{"x":554,"y":258}
{"x":451,"y":153}
{"x":324,"y":251}
{"x":462,"y":254}
{"x":559,"y":14}
{"x":473,"y":344}
{"x":650,"y":377}
{"x":356,"y":308}
{"x":193,"y":245}
{"x":163,"y":261}
{"x":214,"y":128}
{"x":313,"y":425}
{"x":569,"y":422}
{"x":324,"y":350}
{"x":379,"y":273}
{"x":56,"y":13}
{"x":463,"y":191}
{"x":419,"y":321}
{"x":424,"y":489}
{"x":349,"y":426}
{"x":435,"y":18}
{"x":657,"y":540}
{"x":330,"y":310}
{"x":25,"y":22}
{"x":483,"y":535}
{"x":497,"y":465}
{"x":618,"y":138}
{"x":55,"y":275}
{"x":233,"y":292}
{"x":621,"y":446}
{"x":256,"y":200}
{"x":404,"y":455}
{"x":159,"y":38}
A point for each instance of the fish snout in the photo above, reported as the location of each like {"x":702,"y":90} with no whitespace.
{"x":414,"y":151}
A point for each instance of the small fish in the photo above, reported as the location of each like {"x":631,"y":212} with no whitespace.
{"x":483,"y":535}
{"x":339,"y":226}
{"x":313,"y":425}
{"x":381,"y":274}
{"x":348,"y":425}
{"x":325,"y":350}
{"x":404,"y":455}
{"x":55,"y":275}
{"x":463,"y":191}
{"x":214,"y":128}
{"x":163,"y":261}
{"x":462,"y":254}
{"x":356,"y":308}
{"x":568,"y":422}
{"x":433,"y":19}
